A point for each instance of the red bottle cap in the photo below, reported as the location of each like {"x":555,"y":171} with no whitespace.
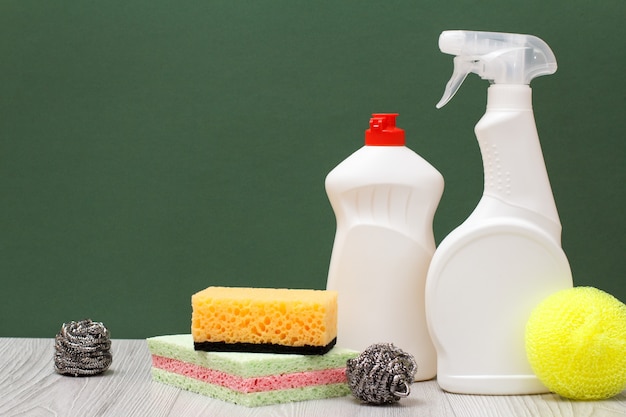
{"x":383,"y":131}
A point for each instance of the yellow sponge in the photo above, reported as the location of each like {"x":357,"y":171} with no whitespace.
{"x":576,"y":343}
{"x":264,"y":320}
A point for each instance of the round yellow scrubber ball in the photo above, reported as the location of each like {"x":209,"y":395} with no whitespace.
{"x":576,"y":343}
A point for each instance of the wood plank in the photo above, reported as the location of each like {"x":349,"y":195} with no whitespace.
{"x":29,"y":386}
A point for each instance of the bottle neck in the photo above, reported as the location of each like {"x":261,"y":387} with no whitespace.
{"x":509,"y":97}
{"x":515,"y":171}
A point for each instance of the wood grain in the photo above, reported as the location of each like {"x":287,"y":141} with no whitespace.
{"x":30,"y":387}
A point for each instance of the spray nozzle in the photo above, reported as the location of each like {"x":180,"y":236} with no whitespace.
{"x":502,"y":58}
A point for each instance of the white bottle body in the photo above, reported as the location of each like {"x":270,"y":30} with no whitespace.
{"x":487,"y":276}
{"x":384,"y":199}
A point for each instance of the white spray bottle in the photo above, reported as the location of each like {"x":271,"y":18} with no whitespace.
{"x":384,"y":197}
{"x":489,"y":273}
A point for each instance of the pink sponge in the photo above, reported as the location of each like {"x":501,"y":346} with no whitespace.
{"x":250,"y":379}
{"x":252,"y":384}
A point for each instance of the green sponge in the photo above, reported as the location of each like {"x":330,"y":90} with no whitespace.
{"x":250,"y":379}
{"x":251,"y":399}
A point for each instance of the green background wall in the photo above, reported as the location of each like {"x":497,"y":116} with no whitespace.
{"x":149,"y":149}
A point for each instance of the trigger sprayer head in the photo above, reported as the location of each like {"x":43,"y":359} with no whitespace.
{"x":502,"y":58}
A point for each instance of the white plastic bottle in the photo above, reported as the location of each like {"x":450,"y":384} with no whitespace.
{"x":489,"y":273}
{"x":384,"y":197}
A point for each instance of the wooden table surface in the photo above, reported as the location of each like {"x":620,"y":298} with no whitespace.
{"x":30,"y":387}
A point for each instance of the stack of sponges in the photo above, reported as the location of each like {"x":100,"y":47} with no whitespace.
{"x":256,"y":346}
